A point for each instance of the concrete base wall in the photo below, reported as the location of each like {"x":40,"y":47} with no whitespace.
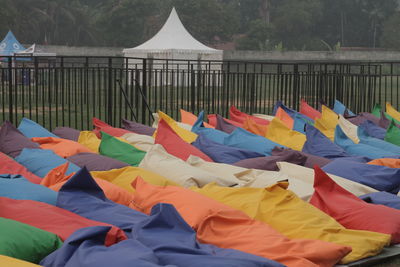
{"x":312,"y":55}
{"x":242,"y":55}
{"x":81,"y":50}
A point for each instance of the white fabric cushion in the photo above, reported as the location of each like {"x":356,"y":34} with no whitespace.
{"x":253,"y":178}
{"x":307,"y":175}
{"x":263,"y":116}
{"x":142,"y":142}
{"x":349,"y":129}
{"x":160,"y":161}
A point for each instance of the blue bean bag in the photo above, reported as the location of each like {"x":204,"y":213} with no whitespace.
{"x":382,"y":198}
{"x":318,"y":144}
{"x":243,"y":139}
{"x":360,"y":149}
{"x":378,"y":143}
{"x":41,"y":161}
{"x":32,"y":129}
{"x":17,"y":187}
{"x":339,"y":108}
{"x":378,"y":177}
{"x":300,"y":124}
{"x":86,"y":247}
{"x":214,"y":135}
{"x":165,"y":232}
{"x":373,"y":130}
{"x":222,"y":153}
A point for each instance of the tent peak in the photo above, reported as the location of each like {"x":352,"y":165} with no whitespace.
{"x":172,"y":36}
{"x":10,"y":45}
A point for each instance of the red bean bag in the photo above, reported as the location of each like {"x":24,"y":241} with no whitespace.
{"x":309,"y":111}
{"x":238,"y":116}
{"x":220,"y":225}
{"x":52,"y":219}
{"x":175,"y":145}
{"x":352,"y":212}
{"x":102,"y":126}
{"x":10,"y":166}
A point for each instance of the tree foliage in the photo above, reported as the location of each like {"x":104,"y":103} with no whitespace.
{"x":391,"y":32}
{"x":252,"y":24}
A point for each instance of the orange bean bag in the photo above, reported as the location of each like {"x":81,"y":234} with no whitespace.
{"x":388,"y":162}
{"x":102,"y":126}
{"x":190,"y":118}
{"x":220,"y":225}
{"x":63,"y":147}
{"x":352,"y":212}
{"x":255,"y":128}
{"x":175,"y":145}
{"x":212,"y":119}
{"x":309,"y":111}
{"x":285,"y":118}
{"x":10,"y":166}
{"x":238,"y":116}
{"x":56,"y":178}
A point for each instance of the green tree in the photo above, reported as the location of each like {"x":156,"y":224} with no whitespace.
{"x":391,"y":32}
{"x":294,"y":21}
{"x":123,"y":23}
{"x":209,"y":21}
{"x":258,"y":37}
{"x":354,"y":22}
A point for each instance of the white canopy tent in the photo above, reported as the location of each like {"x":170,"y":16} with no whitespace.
{"x":173,"y":42}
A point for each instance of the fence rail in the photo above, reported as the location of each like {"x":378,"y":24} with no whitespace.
{"x":69,"y":91}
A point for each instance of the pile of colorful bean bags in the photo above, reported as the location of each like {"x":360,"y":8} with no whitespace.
{"x":308,"y":188}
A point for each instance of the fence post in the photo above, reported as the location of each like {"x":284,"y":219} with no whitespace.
{"x":192,"y":88}
{"x":296,"y":87}
{"x":144,"y":89}
{"x":110,"y":98}
{"x":228,"y":88}
{"x":252,"y":93}
{"x":10,"y":89}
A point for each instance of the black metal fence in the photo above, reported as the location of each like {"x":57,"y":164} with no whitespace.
{"x":69,"y":91}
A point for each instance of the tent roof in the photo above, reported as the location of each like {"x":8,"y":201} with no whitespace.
{"x":32,"y":50}
{"x":172,"y":36}
{"x":10,"y":45}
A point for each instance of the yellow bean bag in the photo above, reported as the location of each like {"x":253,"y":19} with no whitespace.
{"x":89,"y":140}
{"x":392,"y":112}
{"x":327,"y":123}
{"x":12,"y":262}
{"x":295,"y":218}
{"x":125,"y":176}
{"x":281,"y":134}
{"x":186,"y":135}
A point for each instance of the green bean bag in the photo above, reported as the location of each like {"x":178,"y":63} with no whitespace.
{"x":116,"y":149}
{"x":25,"y":242}
{"x":393,"y":134}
